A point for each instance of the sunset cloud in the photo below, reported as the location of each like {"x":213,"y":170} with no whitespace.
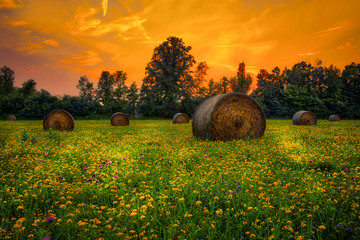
{"x":308,"y":53}
{"x":18,"y":23}
{"x":85,"y":59}
{"x":87,"y":24}
{"x":11,"y":4}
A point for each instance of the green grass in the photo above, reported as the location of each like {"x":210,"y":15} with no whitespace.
{"x":295,"y":182}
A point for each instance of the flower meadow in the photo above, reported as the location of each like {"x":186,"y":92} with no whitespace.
{"x":154,"y":180}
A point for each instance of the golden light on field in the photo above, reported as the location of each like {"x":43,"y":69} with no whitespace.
{"x":56,"y":42}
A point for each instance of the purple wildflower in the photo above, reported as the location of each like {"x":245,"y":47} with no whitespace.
{"x":47,"y":238}
{"x":100,"y":166}
{"x":340,"y":225}
{"x":170,"y":163}
{"x":84,"y":168}
{"x":346,"y":169}
{"x":97,"y":181}
{"x":49,"y":219}
{"x":115,"y":176}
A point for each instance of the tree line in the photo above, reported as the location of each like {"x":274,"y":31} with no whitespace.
{"x":174,"y":82}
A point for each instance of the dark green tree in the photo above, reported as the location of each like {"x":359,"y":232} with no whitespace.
{"x":168,"y":79}
{"x":132,"y":97}
{"x":241,"y":83}
{"x":105,"y":88}
{"x":86,"y":89}
{"x":120,"y":88}
{"x":7,"y":77}
{"x":28,"y":88}
{"x":351,"y":89}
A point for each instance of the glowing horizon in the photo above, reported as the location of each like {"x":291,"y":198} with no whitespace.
{"x":66,"y":41}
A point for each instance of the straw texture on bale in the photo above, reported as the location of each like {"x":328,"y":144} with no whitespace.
{"x":119,"y":119}
{"x":304,"y":118}
{"x":334,"y":118}
{"x":59,"y":120}
{"x":11,"y":118}
{"x":228,"y":116}
{"x":180,"y":118}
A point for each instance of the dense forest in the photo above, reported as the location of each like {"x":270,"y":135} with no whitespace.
{"x":174,"y":82}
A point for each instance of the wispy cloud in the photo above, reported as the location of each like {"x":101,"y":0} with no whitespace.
{"x":34,"y":43}
{"x":329,"y":29}
{"x":86,"y":24}
{"x":104,"y":6}
{"x":18,"y":23}
{"x":85,"y":59}
{"x":308,"y":53}
{"x":51,"y":42}
{"x":11,"y":4}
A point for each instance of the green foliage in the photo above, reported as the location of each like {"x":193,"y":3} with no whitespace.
{"x":7,"y":79}
{"x":168,"y":79}
{"x":54,"y":136}
{"x":86,"y":89}
{"x":24,"y":135}
{"x":29,"y":88}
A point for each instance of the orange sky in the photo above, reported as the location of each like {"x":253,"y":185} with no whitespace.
{"x":55,"y":42}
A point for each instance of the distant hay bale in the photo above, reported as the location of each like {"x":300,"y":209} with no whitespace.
{"x":11,"y":118}
{"x":119,"y":119}
{"x":304,"y":118}
{"x":334,"y":118}
{"x":59,"y":120}
{"x":228,"y":116}
{"x":180,"y":118}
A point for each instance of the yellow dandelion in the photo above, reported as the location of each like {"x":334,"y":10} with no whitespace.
{"x":198,"y":202}
{"x":20,"y":208}
{"x":322,"y":227}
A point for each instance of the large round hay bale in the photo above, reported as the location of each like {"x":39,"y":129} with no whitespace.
{"x":59,"y":120}
{"x":119,"y":119}
{"x":304,"y":118}
{"x":334,"y":118}
{"x":228,"y":116}
{"x":180,"y":118}
{"x":11,"y":118}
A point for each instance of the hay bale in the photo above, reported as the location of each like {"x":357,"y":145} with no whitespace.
{"x":228,"y":116}
{"x":119,"y":119}
{"x":59,"y":120}
{"x":180,"y":118}
{"x":334,"y":118}
{"x":304,"y":118}
{"x":11,"y":118}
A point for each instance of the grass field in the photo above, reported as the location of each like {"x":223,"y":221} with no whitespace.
{"x":154,"y":180}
